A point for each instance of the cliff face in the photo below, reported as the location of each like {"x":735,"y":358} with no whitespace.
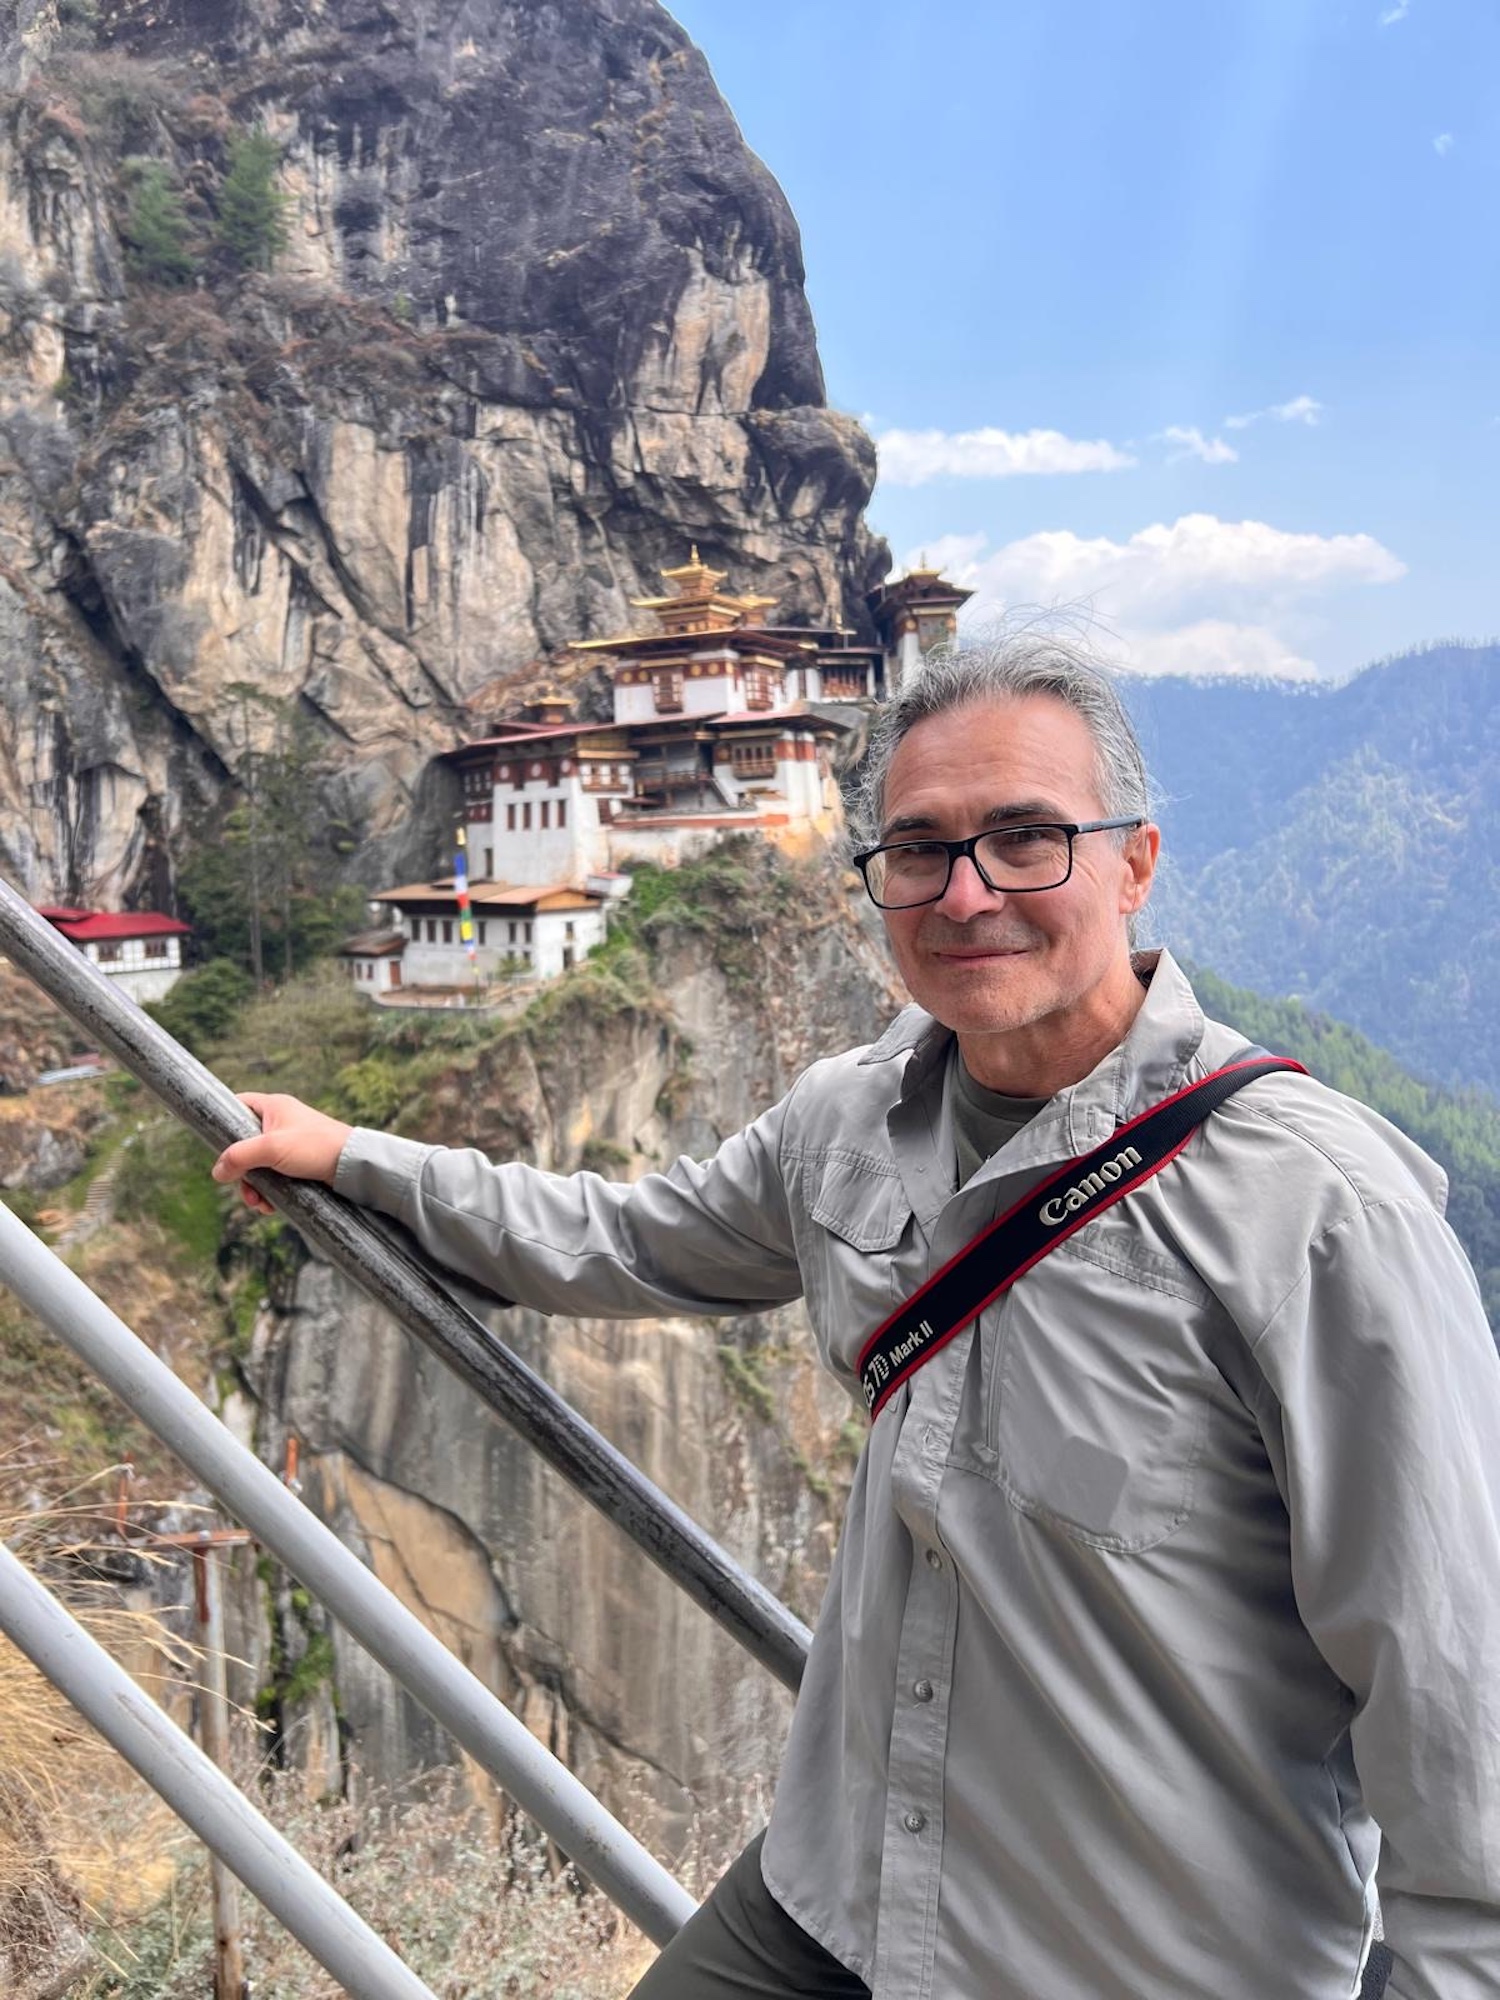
{"x":733,"y":1418}
{"x":538,"y":321}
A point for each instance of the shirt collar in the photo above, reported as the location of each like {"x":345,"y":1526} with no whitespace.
{"x":1148,"y":1065}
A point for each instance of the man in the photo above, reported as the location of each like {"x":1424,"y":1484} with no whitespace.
{"x":1179,"y":1570}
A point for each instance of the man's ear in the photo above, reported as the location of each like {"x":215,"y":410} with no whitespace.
{"x":1140,"y":856}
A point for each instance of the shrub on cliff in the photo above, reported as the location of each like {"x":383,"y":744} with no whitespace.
{"x":252,"y":208}
{"x":202,"y":1006}
{"x":156,"y":230}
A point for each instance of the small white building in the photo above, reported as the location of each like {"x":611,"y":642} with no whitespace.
{"x":374,"y":961}
{"x":519,"y":932}
{"x":140,"y":949}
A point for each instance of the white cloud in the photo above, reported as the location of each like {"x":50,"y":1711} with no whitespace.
{"x":911,"y":458}
{"x":1300,"y":410}
{"x":1216,"y":646}
{"x":1195,"y":595}
{"x":1193,"y":444}
{"x":1442,"y":145}
{"x":1394,"y":14}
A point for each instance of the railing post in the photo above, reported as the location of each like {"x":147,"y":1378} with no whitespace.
{"x":213,"y":1699}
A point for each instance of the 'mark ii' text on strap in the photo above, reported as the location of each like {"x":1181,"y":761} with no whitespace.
{"x":1008,"y":1247}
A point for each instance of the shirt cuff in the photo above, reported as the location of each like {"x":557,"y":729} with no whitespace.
{"x":378,"y":1170}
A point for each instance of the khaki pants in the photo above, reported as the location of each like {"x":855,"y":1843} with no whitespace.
{"x":742,"y":1945}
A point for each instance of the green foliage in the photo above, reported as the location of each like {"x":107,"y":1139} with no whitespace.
{"x":724,"y":897}
{"x":202,"y":1006}
{"x":298,"y":1039}
{"x":742,"y":1371}
{"x":368,"y":1092}
{"x":1337,"y":843}
{"x":257,"y":882}
{"x":603,"y":1156}
{"x":607,"y":983}
{"x":1460,"y":1130}
{"x":162,"y":1175}
{"x":156,"y":231}
{"x":301,"y":1678}
{"x":252,"y":208}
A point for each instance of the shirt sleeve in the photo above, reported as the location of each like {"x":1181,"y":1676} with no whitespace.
{"x":703,"y":1237}
{"x":1383,"y":1424}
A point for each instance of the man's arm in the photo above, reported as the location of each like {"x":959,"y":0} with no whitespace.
{"x":710,"y":1237}
{"x":1383,"y":1424}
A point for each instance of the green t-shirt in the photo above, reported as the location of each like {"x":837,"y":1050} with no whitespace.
{"x":982,"y":1119}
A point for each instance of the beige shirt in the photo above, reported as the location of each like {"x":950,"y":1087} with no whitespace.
{"x":1159,"y":1586}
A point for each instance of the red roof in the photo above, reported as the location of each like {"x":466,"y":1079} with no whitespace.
{"x":93,"y":926}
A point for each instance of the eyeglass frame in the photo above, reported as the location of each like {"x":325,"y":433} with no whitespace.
{"x":957,"y":849}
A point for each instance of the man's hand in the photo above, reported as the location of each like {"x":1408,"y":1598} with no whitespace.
{"x":293,"y":1139}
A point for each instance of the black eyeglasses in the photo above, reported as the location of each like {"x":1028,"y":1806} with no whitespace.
{"x":1015,"y":860}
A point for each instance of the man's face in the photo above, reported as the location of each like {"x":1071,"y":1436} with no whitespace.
{"x":979,"y":960}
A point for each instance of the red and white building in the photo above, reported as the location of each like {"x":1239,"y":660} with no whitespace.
{"x":140,"y":949}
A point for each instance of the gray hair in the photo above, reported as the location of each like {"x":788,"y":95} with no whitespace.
{"x":1011,"y":667}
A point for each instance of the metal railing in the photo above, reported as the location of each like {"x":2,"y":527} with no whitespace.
{"x":197,"y":1790}
{"x":365,"y":1251}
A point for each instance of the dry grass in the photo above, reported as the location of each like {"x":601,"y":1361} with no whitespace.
{"x":74,"y":1820}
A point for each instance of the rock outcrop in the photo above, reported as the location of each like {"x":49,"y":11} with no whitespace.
{"x":538,"y":320}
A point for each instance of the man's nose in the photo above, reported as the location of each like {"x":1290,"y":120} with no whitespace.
{"x":966,"y":895}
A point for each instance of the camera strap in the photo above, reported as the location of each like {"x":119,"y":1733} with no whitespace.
{"x":1049,"y":1214}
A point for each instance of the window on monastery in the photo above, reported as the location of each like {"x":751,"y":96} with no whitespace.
{"x":568,"y":931}
{"x":512,"y":938}
{"x":562,"y":812}
{"x":528,"y":934}
{"x":526,"y":817}
{"x":668,"y":692}
{"x":546,"y":813}
{"x":482,"y":928}
{"x":156,"y":947}
{"x":109,"y":954}
{"x":510,"y":819}
{"x":432,"y":930}
{"x":489,"y":864}
{"x":447,"y":930}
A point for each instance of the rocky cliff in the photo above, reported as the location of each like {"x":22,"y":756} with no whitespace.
{"x":536,"y":320}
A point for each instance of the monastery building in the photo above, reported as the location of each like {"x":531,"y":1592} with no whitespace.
{"x":722,"y":722}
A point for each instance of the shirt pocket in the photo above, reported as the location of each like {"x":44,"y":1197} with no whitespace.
{"x":1098,"y":1397}
{"x":858,"y":1219}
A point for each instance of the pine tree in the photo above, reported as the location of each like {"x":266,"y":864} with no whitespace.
{"x":157,"y":230}
{"x":252,"y":208}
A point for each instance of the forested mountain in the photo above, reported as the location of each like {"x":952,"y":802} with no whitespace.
{"x":1461,"y":1130}
{"x":1339,"y":845}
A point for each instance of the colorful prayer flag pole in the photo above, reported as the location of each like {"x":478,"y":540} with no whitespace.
{"x":461,"y":885}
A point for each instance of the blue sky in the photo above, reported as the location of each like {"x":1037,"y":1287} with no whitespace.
{"x":1054,"y":247}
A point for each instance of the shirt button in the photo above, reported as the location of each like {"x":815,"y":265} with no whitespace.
{"x":922,"y":1690}
{"x":934,"y":1560}
{"x":914,"y":1822}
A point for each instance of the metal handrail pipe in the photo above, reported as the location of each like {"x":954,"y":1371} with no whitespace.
{"x":473,"y":1716}
{"x":357,"y":1244}
{"x":197,"y":1791}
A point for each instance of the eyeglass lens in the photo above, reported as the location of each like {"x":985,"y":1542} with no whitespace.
{"x":1013,"y":857}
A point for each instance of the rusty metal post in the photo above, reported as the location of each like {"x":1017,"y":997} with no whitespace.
{"x":213,"y":1733}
